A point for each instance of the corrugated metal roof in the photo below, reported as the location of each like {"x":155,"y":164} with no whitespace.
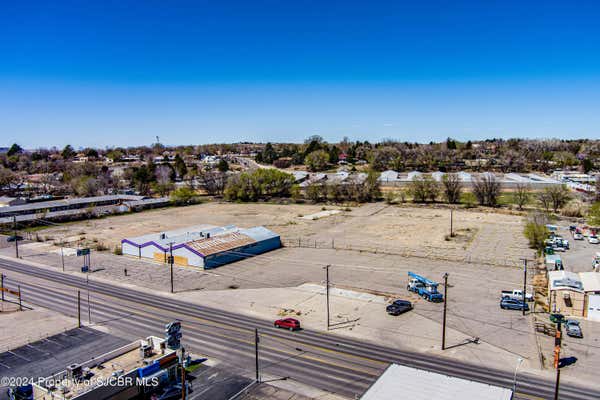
{"x":259,"y":233}
{"x":220,"y":243}
{"x":176,"y":236}
{"x":222,"y":238}
{"x":68,"y":202}
{"x":438,"y":175}
{"x":398,"y":382}
{"x":389,"y":175}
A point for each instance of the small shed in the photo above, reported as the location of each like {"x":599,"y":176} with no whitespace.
{"x":566,"y":293}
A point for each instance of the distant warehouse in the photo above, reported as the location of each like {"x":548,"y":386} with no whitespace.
{"x":203,"y":246}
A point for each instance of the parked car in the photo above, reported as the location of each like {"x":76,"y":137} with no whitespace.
{"x":593,"y":239}
{"x":596,"y":261}
{"x":573,"y":328}
{"x":288,"y":323}
{"x":512,"y":304}
{"x":14,"y":238}
{"x":578,"y":236}
{"x":398,"y":307}
{"x":516,"y":294}
{"x":556,"y":317}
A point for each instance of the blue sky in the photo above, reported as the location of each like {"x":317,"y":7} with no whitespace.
{"x":120,"y":73}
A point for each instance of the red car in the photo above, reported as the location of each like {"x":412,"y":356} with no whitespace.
{"x":288,"y":323}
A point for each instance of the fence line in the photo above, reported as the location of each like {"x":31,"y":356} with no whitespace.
{"x":301,"y":242}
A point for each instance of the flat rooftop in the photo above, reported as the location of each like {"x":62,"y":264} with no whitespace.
{"x":398,"y":380}
{"x":52,"y":354}
{"x":120,"y":365}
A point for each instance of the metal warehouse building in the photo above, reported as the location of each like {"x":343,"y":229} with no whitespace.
{"x":203,"y":246}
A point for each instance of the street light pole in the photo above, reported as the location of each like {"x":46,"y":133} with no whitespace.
{"x":171,"y":263}
{"x":557,"y":344}
{"x":87,"y":283}
{"x":256,"y":340}
{"x":451,"y":222}
{"x":78,"y":309}
{"x":444,"y":317}
{"x":327,"y":292}
{"x":524,"y":284}
{"x":519,"y":361}
{"x":62,"y":255}
{"x":16,"y":237}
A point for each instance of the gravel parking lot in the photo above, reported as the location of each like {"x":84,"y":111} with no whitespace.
{"x":473,"y":309}
{"x":482,"y":237}
{"x":369,"y":255}
{"x":586,"y":350}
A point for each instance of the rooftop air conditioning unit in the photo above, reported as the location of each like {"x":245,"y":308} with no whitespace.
{"x":117,"y":373}
{"x":146,"y":351}
{"x":74,"y":371}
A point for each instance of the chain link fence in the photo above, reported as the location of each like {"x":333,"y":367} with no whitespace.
{"x":303,"y":242}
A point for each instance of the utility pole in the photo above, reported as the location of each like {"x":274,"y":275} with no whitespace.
{"x":15,"y":236}
{"x":444,"y":317}
{"x":171,"y":263}
{"x":20,"y":305}
{"x":256,"y":340}
{"x":79,"y":309}
{"x":2,"y":285}
{"x":557,"y":344}
{"x":327,"y":292}
{"x":62,"y":255}
{"x":183,"y":387}
{"x":87,"y":283}
{"x":524,"y":284}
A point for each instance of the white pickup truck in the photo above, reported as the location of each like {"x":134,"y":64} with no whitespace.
{"x":516,"y":295}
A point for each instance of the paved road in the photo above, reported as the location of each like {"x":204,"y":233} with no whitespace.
{"x":333,"y":363}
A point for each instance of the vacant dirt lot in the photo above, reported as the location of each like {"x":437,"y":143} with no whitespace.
{"x":482,"y":237}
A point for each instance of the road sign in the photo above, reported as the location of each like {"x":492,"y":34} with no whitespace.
{"x":83,"y":252}
{"x":85,"y":268}
{"x":173,"y":335}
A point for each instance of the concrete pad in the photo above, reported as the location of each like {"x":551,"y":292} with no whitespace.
{"x":22,"y":327}
{"x":321,"y":214}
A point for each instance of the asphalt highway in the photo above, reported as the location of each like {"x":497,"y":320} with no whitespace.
{"x":327,"y":361}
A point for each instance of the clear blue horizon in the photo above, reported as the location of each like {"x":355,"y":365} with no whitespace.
{"x":120,"y":73}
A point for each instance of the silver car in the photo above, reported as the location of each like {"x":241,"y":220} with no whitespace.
{"x":573,"y":328}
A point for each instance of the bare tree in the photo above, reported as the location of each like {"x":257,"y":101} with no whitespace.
{"x":545,"y":200}
{"x":452,"y":188}
{"x":164,"y":184}
{"x":486,"y":189}
{"x":7,"y":180}
{"x":522,"y":195}
{"x":559,"y":196}
{"x":213,"y":182}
